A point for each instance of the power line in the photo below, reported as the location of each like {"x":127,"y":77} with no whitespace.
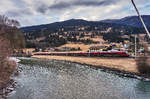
{"x":146,"y":29}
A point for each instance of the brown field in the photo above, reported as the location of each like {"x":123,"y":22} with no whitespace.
{"x":124,"y":64}
{"x":82,"y":46}
{"x":28,"y":49}
{"x":99,"y":38}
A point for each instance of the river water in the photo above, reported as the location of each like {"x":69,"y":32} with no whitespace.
{"x":49,"y":79}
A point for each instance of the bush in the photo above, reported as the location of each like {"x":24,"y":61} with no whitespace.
{"x":143,"y":66}
{"x":142,"y":62}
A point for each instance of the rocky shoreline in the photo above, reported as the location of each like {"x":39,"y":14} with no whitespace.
{"x":108,"y":69}
{"x":115,"y":71}
{"x":8,"y":72}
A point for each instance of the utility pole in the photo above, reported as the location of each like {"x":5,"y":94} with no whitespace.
{"x":135,"y":46}
{"x":146,"y":29}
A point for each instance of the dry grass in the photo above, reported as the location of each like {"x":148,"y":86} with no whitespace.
{"x":85,"y":47}
{"x":28,"y":49}
{"x":82,"y":46}
{"x":40,"y":38}
{"x":99,"y":39}
{"x":125,"y":64}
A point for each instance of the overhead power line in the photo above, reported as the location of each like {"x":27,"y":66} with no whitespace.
{"x":146,"y":29}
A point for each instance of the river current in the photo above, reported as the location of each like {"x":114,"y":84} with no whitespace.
{"x":51,"y":79}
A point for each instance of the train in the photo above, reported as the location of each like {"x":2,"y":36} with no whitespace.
{"x":111,"y":53}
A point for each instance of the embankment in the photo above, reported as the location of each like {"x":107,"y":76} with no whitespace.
{"x":7,"y":70}
{"x":124,"y":64}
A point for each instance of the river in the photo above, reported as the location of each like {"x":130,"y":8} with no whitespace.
{"x":51,"y":79}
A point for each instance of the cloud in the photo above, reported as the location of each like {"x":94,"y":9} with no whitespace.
{"x":34,"y":12}
{"x":64,"y":5}
{"x":18,"y":13}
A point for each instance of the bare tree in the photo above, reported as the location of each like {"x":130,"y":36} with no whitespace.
{"x":10,"y":39}
{"x":8,"y":22}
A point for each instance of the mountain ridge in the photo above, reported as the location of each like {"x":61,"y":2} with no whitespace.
{"x":130,"y":21}
{"x":122,"y":21}
{"x":71,"y":22}
{"x":74,"y":30}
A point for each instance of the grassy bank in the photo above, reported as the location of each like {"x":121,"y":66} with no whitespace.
{"x":123,"y":64}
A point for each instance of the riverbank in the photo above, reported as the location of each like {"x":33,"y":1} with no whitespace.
{"x":126,"y":67}
{"x":8,"y":69}
{"x":46,"y":79}
{"x":123,"y":64}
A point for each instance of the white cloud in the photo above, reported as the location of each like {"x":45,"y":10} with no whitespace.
{"x":6,"y":5}
{"x":33,"y":12}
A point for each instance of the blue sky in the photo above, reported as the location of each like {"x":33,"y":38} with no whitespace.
{"x":35,"y":12}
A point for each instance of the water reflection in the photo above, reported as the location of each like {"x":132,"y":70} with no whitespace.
{"x":143,"y":86}
{"x":64,"y":80}
{"x":143,"y":89}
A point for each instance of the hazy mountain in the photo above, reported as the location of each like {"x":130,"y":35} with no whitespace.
{"x":73,"y":23}
{"x":130,"y":20}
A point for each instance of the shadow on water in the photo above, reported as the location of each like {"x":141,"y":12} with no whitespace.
{"x":143,"y":87}
{"x":43,"y":79}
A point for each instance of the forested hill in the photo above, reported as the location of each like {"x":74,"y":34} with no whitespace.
{"x":130,"y":21}
{"x":53,"y":27}
{"x":77,"y":30}
{"x":127,"y":22}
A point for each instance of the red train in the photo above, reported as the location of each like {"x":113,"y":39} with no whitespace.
{"x":88,"y":54}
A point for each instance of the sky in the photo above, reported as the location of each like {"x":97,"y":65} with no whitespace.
{"x":36,"y":12}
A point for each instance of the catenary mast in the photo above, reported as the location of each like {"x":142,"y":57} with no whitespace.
{"x":146,"y":29}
